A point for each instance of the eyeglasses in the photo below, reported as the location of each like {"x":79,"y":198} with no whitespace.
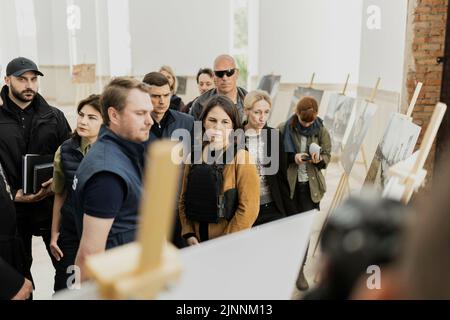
{"x":221,"y":73}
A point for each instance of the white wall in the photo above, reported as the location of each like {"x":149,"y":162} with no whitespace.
{"x":184,"y":34}
{"x":383,"y":50}
{"x":17,"y":37}
{"x":299,"y":37}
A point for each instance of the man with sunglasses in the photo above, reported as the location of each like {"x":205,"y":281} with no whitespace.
{"x":225,"y":79}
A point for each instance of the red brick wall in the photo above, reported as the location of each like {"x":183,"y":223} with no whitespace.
{"x":428,"y":27}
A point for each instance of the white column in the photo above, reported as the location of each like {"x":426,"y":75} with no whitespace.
{"x":119,"y":38}
{"x":383,"y":43}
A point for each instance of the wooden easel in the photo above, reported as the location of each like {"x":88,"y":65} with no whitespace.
{"x":312,"y":80}
{"x":344,"y":91}
{"x":411,"y":177}
{"x":343,"y":187}
{"x":363,"y":150}
{"x":413,"y":102}
{"x":142,"y":269}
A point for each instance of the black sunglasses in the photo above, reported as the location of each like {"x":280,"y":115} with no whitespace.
{"x":221,"y":73}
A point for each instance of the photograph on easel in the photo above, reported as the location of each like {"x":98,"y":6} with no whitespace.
{"x":337,"y":119}
{"x":357,"y":135}
{"x":302,"y":92}
{"x":397,"y":144}
{"x":270,"y":83}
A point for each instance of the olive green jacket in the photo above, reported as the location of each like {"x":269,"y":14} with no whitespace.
{"x":317,"y":183}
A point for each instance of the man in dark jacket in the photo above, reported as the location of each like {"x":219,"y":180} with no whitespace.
{"x":166,"y":122}
{"x":29,"y":125}
{"x":225,"y":78}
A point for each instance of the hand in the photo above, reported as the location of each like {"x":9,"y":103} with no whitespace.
{"x":24,"y":292}
{"x":298,"y":158}
{"x":45,"y":191}
{"x":1,"y":102}
{"x":192,"y":241}
{"x":54,"y":248}
{"x":316,"y":158}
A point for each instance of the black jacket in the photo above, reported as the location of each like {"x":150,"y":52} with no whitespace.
{"x":176,"y":120}
{"x":12,"y":255}
{"x":49,"y":130}
{"x":10,"y":281}
{"x":176,"y":103}
{"x":278,"y":183}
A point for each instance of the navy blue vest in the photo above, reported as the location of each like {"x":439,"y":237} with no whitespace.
{"x":71,"y":157}
{"x":126,"y":159}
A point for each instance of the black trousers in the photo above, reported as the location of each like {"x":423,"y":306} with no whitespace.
{"x":302,"y":198}
{"x":303,"y":203}
{"x":27,"y":227}
{"x":177,"y":239}
{"x":267,"y":213}
{"x":68,"y":242}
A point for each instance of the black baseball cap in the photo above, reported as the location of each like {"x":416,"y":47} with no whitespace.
{"x":19,"y":66}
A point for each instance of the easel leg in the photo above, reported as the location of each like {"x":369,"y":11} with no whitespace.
{"x":343,"y":184}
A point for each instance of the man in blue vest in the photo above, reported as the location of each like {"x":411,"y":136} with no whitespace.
{"x":108,"y":181}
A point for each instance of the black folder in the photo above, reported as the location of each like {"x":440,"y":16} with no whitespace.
{"x":42,"y":173}
{"x":30,"y":161}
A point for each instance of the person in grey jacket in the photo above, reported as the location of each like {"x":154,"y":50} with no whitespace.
{"x":225,"y":77}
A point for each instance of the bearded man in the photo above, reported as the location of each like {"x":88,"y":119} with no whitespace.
{"x":28,"y":125}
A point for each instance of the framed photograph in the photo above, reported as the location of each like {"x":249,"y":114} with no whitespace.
{"x":357,"y":135}
{"x":302,"y":92}
{"x":182,"y":83}
{"x":338,"y":119}
{"x":399,"y":140}
{"x":270,"y":84}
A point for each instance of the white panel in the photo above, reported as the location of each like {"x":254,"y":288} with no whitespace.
{"x":9,"y":40}
{"x":119,"y":38}
{"x":383,"y":50}
{"x":299,"y":37}
{"x":186,"y":35}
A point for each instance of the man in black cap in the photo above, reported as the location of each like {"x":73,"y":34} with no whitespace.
{"x":29,"y":125}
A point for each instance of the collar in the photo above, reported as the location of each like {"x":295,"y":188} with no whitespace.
{"x":132,"y":149}
{"x":84,"y":145}
{"x":40,"y":106}
{"x":166,"y":119}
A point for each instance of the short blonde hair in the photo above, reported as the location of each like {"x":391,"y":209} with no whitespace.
{"x":168,"y":69}
{"x":255,"y":96}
